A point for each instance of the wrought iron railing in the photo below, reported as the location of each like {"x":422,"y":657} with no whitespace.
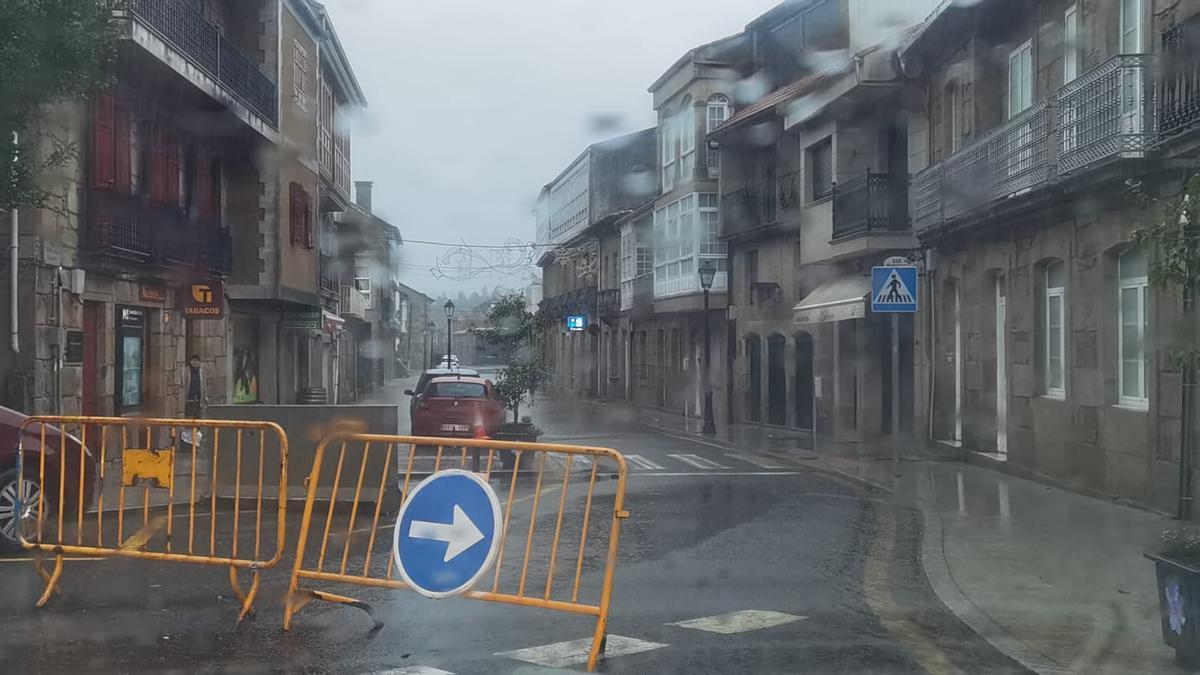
{"x":1105,"y":113}
{"x":925,"y":197}
{"x":1178,"y":96}
{"x":872,"y":202}
{"x":749,"y":207}
{"x":329,"y":280}
{"x":178,"y":22}
{"x":608,"y":302}
{"x":128,"y":226}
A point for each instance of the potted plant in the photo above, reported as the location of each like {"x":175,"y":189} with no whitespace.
{"x":1177,"y":568}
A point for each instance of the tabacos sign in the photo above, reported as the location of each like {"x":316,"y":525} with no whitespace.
{"x":203,"y":299}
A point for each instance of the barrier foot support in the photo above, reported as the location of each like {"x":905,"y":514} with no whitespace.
{"x":599,"y":642}
{"x":301,"y":597}
{"x":247,"y":597}
{"x":51,"y":579}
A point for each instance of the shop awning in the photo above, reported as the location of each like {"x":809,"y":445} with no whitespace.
{"x":835,"y":300}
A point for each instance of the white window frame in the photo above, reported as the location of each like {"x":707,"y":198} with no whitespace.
{"x":687,"y":139}
{"x":1140,"y":284}
{"x":716,"y":112}
{"x":676,"y":264}
{"x":954,"y":118}
{"x":1071,"y":43}
{"x":667,"y":134}
{"x":1053,"y":390}
{"x":300,"y":75}
{"x":1016,"y":104}
{"x":1131,"y":9}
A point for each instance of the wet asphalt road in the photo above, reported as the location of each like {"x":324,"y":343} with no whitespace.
{"x":833,"y":565}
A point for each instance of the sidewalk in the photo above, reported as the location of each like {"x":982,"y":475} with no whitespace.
{"x":1052,"y":578}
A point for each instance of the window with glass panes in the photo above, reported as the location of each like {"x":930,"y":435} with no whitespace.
{"x":1133,"y":282}
{"x":1020,"y":79}
{"x":1055,"y":329}
{"x":683,"y":228}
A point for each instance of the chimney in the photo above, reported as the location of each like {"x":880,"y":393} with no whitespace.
{"x":362,"y":194}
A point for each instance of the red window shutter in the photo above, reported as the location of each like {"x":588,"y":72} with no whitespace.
{"x":122,"y":164}
{"x":308,"y":221}
{"x":295,"y":208}
{"x":103,"y":129}
{"x":158,"y":164}
{"x":172,"y":184}
{"x":203,"y":187}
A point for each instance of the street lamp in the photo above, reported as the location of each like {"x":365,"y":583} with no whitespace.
{"x":708,"y":271}
{"x":449,"y":315}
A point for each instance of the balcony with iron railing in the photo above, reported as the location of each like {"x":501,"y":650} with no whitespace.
{"x":127,"y":227}
{"x":1102,"y":115}
{"x":330,"y":280}
{"x":1177,"y":99}
{"x":608,"y":303}
{"x":759,"y":203}
{"x":872,"y":202}
{"x":179,"y":23}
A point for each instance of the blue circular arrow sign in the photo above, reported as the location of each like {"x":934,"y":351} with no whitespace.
{"x":446,"y":533}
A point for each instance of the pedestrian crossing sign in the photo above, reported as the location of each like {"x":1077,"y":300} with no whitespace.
{"x":894,"y":289}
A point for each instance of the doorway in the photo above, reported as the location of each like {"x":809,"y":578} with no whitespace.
{"x":754,"y":393}
{"x":776,"y":380}
{"x":1001,"y":367}
{"x":804,"y":381}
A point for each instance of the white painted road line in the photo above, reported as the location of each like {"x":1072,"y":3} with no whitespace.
{"x":760,"y":462}
{"x":412,"y":670}
{"x":697,"y":461}
{"x":740,"y":622}
{"x":643,"y":463}
{"x":575,"y":652}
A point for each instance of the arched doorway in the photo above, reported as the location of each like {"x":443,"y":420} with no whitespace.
{"x":754,"y":386}
{"x":776,"y":380}
{"x":804,"y":381}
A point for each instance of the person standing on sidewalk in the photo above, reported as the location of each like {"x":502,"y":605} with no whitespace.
{"x":197,"y":394}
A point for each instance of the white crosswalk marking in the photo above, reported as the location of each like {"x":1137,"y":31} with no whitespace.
{"x":575,"y":652}
{"x":412,"y":670}
{"x":740,"y":622}
{"x":643,"y":463}
{"x":697,"y":461}
{"x":760,"y":462}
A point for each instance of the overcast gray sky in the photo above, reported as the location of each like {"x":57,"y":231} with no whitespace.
{"x":474,"y":105}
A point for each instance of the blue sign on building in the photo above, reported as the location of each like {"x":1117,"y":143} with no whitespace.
{"x":576,"y":322}
{"x":447,"y":533}
{"x":894,"y":289}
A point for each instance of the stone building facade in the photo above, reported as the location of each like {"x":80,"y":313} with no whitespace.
{"x":1047,"y":349}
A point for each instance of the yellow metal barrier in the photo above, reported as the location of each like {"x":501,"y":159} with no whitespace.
{"x":221,"y":473}
{"x":384,"y":469}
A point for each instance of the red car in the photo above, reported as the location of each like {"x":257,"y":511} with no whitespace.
{"x":457,"y":406}
{"x":10,"y":425}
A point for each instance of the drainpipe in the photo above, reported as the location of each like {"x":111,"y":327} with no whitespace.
{"x":13,"y":245}
{"x":1185,"y":422}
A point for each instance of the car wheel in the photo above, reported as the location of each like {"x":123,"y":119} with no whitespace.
{"x":8,"y":507}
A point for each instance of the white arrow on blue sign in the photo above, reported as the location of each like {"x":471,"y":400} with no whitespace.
{"x":447,"y":533}
{"x":894,"y":289}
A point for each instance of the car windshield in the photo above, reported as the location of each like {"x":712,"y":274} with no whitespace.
{"x":640,"y":336}
{"x":457,"y":390}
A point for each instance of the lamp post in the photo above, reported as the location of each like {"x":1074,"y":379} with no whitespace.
{"x":449,"y":307}
{"x":708,"y":271}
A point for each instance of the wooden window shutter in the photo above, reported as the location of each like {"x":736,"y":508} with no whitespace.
{"x":158,"y":164}
{"x":103,"y":141}
{"x":203,"y":189}
{"x":308,"y":221}
{"x":172,"y":183}
{"x":122,"y":162}
{"x":295,"y":212}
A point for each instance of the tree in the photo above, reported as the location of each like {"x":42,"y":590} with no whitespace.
{"x":1174,"y":242}
{"x":512,"y":330}
{"x":50,"y":51}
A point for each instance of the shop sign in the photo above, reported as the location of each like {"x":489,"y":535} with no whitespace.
{"x":307,"y":320}
{"x":152,"y":293}
{"x":203,"y":300}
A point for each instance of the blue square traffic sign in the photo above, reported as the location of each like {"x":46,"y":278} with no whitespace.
{"x":894,"y":290}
